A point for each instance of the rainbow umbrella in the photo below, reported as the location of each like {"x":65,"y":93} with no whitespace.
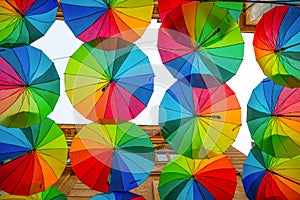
{"x":199,"y":123}
{"x":50,"y":194}
{"x":277,"y":47}
{"x":23,"y":22}
{"x":273,"y":118}
{"x":91,"y":19}
{"x":267,"y":177}
{"x":109,"y":80}
{"x":166,"y":6}
{"x":185,"y":178}
{"x":112,"y":157}
{"x":117,"y":196}
{"x":31,"y":159}
{"x":201,"y":39}
{"x":29,"y":86}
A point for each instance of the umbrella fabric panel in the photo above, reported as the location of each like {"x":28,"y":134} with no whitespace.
{"x":165,"y":7}
{"x":41,"y":152}
{"x":29,"y":86}
{"x":117,"y":196}
{"x":193,"y":41}
{"x":50,"y":194}
{"x":273,"y":119}
{"x":95,"y":19}
{"x":23,"y":22}
{"x":198,"y":122}
{"x":185,"y":178}
{"x":277,"y":45}
{"x":109,"y":79}
{"x":265,"y":176}
{"x":120,"y":156}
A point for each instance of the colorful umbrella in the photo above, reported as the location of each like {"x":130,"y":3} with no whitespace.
{"x":199,"y":123}
{"x":29,"y":86}
{"x":109,"y":79}
{"x":91,"y":19}
{"x":200,"y":38}
{"x":31,"y":159}
{"x":166,"y":6}
{"x":23,"y":22}
{"x":267,"y":177}
{"x":277,"y":47}
{"x":184,"y":178}
{"x":112,"y":157}
{"x":273,"y":117}
{"x":50,"y":194}
{"x":117,"y":196}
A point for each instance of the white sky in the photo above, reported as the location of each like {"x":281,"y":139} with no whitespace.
{"x":59,"y":43}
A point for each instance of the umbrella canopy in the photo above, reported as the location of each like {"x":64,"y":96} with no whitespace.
{"x":273,"y":118}
{"x":91,"y":19}
{"x":267,"y":177}
{"x":185,"y":178}
{"x":50,"y":194}
{"x":29,"y":86}
{"x":200,"y":38}
{"x":166,"y":6}
{"x":197,"y":122}
{"x":31,"y":159}
{"x":112,"y":157}
{"x":277,"y":47}
{"x":117,"y":196}
{"x":23,"y":22}
{"x":109,"y":79}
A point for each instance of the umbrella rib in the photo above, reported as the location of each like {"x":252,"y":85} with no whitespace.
{"x":132,"y":84}
{"x":51,"y":155}
{"x":15,"y":116}
{"x":284,"y":177}
{"x":190,"y":54}
{"x":279,"y":106}
{"x":129,"y":109}
{"x":130,"y":15}
{"x":21,"y":176}
{"x":91,"y":68}
{"x":133,"y":161}
{"x":100,"y":133}
{"x":222,"y":187}
{"x":86,"y":16}
{"x":292,"y":140}
{"x":105,"y":15}
{"x":184,"y":170}
{"x":285,"y":33}
{"x":190,"y":102}
{"x":87,"y":172}
{"x":261,"y":103}
{"x":36,"y":69}
{"x":9,"y":75}
{"x":27,"y":145}
{"x":222,"y":133}
{"x":17,"y":10}
{"x":133,"y":65}
{"x":283,"y":146}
